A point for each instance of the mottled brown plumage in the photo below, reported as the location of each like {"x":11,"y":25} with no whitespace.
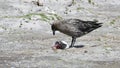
{"x":74,"y":27}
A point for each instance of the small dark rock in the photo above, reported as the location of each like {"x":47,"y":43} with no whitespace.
{"x":85,"y":51}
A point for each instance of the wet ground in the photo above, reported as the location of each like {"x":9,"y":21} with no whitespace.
{"x":26,"y":43}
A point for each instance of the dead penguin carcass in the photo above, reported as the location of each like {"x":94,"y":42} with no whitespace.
{"x":60,"y":45}
{"x":74,"y":27}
